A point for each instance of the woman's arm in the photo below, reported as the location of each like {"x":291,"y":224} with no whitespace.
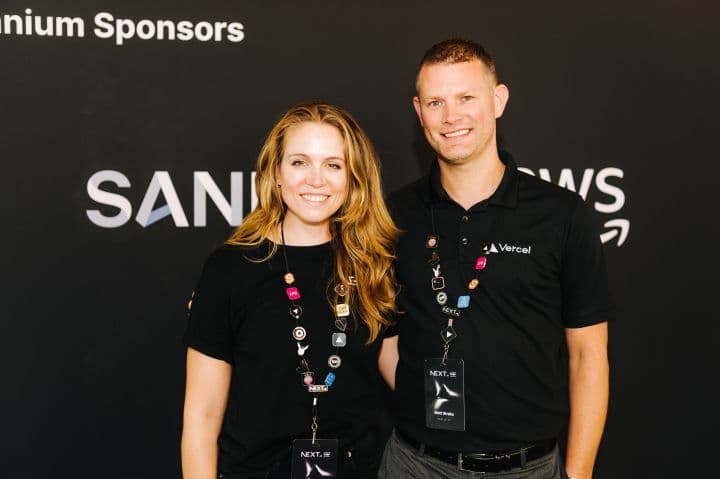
{"x":388,"y":359}
{"x":206,"y":393}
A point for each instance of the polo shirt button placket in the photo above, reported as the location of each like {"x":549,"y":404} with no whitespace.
{"x":463,"y":229}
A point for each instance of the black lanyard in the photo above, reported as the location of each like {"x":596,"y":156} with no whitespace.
{"x":299,"y":334}
{"x":438,"y":283}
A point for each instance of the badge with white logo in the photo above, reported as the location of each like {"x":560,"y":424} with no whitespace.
{"x":445,"y":394}
{"x":339,"y":340}
{"x":311,"y":460}
{"x":334,"y":361}
{"x":299,"y":333}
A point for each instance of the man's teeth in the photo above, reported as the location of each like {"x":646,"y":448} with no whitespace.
{"x":456,"y":133}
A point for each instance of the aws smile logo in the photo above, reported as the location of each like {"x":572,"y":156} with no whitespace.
{"x":602,"y":190}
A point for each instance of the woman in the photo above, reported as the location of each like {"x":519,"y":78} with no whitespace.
{"x":286,"y":320}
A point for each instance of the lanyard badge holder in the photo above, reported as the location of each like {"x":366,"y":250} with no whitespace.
{"x":315,"y":457}
{"x":444,"y":378}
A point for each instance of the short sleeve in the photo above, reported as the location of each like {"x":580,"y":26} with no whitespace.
{"x":585,"y":292}
{"x":208,"y":329}
{"x":390,"y":330}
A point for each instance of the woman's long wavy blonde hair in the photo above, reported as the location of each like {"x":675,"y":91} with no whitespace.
{"x":363,"y":234}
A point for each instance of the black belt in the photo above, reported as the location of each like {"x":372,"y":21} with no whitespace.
{"x":484,"y":462}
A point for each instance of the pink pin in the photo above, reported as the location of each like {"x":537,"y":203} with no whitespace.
{"x":292,"y":293}
{"x":308,"y":379}
{"x":481,"y":263}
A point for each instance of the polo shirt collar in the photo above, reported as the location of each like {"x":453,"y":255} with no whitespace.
{"x":505,"y":195}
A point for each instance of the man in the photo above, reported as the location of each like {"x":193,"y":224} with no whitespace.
{"x":503,"y":340}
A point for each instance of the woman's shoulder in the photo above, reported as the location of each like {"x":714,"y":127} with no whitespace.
{"x":228,"y":258}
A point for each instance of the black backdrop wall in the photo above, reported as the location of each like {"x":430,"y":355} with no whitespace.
{"x":615,"y":99}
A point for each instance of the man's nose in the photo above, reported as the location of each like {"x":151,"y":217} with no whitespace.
{"x":451,"y":113}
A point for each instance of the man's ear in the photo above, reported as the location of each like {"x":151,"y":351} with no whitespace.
{"x":418,"y":110}
{"x":501,"y":95}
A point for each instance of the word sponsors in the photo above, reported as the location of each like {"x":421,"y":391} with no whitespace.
{"x":107,"y":26}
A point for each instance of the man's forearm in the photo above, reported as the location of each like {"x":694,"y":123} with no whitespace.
{"x":589,"y":387}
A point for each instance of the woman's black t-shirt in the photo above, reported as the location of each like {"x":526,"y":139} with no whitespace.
{"x":240,"y":314}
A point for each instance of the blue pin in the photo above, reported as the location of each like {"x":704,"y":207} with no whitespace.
{"x":329,"y":379}
{"x":463,"y":302}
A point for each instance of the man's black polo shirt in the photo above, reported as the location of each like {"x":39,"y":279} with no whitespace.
{"x":548,"y":274}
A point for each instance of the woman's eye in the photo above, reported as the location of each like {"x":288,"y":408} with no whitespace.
{"x":297,"y":163}
{"x":335,"y":166}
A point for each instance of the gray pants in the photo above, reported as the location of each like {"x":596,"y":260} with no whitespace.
{"x":402,"y":461}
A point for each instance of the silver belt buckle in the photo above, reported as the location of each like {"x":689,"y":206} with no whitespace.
{"x":460,"y":466}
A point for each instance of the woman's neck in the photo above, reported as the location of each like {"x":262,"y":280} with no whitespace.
{"x":302,"y":234}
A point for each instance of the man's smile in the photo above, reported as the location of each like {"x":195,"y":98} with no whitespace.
{"x":456,"y":133}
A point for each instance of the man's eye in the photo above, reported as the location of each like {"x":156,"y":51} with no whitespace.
{"x":434,"y":104}
{"x":467,"y":98}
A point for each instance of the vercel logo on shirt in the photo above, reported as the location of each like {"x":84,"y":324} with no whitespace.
{"x":509,"y":248}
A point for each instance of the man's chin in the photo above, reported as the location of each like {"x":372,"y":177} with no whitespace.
{"x":454,"y":159}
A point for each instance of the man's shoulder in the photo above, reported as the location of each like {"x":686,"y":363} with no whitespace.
{"x":564,"y":209}
{"x":533,"y":189}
